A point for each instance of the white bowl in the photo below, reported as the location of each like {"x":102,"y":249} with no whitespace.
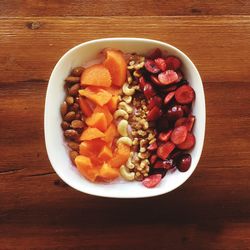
{"x":55,"y":144}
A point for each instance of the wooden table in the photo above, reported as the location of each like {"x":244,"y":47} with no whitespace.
{"x":210,"y":211}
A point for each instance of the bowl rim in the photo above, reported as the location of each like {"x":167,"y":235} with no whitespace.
{"x":124,"y":39}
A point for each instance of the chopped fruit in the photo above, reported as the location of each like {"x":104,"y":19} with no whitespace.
{"x":85,"y":167}
{"x":179,"y":135}
{"x":106,"y":153}
{"x":161,"y":171}
{"x":186,"y":121}
{"x":151,"y":66}
{"x":111,"y":133}
{"x":180,"y":76}
{"x":154,"y":113}
{"x":104,"y":109}
{"x":142,"y":82}
{"x":90,"y":134}
{"x":168,"y":77}
{"x":112,"y":104}
{"x":167,"y":164}
{"x":153,"y":159}
{"x":186,"y":109}
{"x":96,"y":75}
{"x":165,"y":136}
{"x":173,"y":62}
{"x":155,"y":80}
{"x":152,"y":147}
{"x":97,"y":120}
{"x":175,"y":112}
{"x":183,"y":162}
{"x":154,"y":101}
{"x":165,"y":149}
{"x":169,"y":97}
{"x":154,"y":53}
{"x":91,"y":148}
{"x":85,"y":107}
{"x":120,"y":156}
{"x":114,"y":90}
{"x":97,"y":95}
{"x":184,"y":94}
{"x":148,"y":91}
{"x":152,"y":180}
{"x":117,"y":67}
{"x":161,"y":64}
{"x":107,"y":173}
{"x":188,"y":143}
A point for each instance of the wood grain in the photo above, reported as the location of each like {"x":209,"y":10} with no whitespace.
{"x":219,"y":59}
{"x":211,"y":211}
{"x":24,"y":8}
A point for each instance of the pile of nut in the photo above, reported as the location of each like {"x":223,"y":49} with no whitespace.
{"x":73,"y":119}
{"x":133,"y":110}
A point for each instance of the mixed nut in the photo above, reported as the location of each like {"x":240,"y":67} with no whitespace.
{"x":142,"y":129}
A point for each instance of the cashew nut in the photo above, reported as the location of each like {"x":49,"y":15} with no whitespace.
{"x":123,"y":128}
{"x":127,"y":99}
{"x":129,"y":164}
{"x":121,"y":113}
{"x":126,"y":107}
{"x":126,"y":90}
{"x":129,"y":176}
{"x":125,"y":140}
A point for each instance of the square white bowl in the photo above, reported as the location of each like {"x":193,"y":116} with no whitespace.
{"x":55,"y":144}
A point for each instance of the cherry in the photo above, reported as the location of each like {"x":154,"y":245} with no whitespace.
{"x":183,"y":162}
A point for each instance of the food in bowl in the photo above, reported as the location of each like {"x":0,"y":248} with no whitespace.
{"x":129,"y":115}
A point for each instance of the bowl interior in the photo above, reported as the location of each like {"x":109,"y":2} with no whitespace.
{"x":55,"y":144}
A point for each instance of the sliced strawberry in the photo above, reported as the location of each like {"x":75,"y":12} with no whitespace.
{"x":164,"y":136}
{"x":168,"y":77}
{"x":142,"y":82}
{"x":153,"y":159}
{"x":165,"y":149}
{"x":152,"y":147}
{"x":154,"y":113}
{"x":161,"y":64}
{"x":173,"y":62}
{"x":148,"y":91}
{"x":154,"y":101}
{"x":179,"y":135}
{"x":155,"y":80}
{"x":184,"y":94}
{"x":180,"y":76}
{"x":151,"y":66}
{"x":154,"y":53}
{"x":169,"y":97}
{"x":167,"y":164}
{"x":152,"y":180}
{"x":188,"y":143}
{"x":186,"y":121}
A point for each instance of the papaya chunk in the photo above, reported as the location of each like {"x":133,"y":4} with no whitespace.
{"x":97,"y":120}
{"x":107,"y":173}
{"x":105,"y":153}
{"x":112,"y":104}
{"x":104,"y":109}
{"x":85,"y":107}
{"x":91,"y":133}
{"x":120,"y":156}
{"x":96,"y":75}
{"x":110,"y":133}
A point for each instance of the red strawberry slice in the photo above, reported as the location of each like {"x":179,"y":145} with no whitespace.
{"x":152,"y":147}
{"x":169,"y":97}
{"x":164,"y":136}
{"x":152,"y":180}
{"x":173,"y":62}
{"x":142,"y":82}
{"x":180,"y":76}
{"x":153,"y":159}
{"x":151,"y":66}
{"x":154,"y":101}
{"x":186,"y":121}
{"x":154,"y":113}
{"x":161,"y":64}
{"x":188,"y":143}
{"x":148,"y":91}
{"x":154,"y":53}
{"x":179,"y":135}
{"x":168,"y":77}
{"x":184,"y":94}
{"x":165,"y":149}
